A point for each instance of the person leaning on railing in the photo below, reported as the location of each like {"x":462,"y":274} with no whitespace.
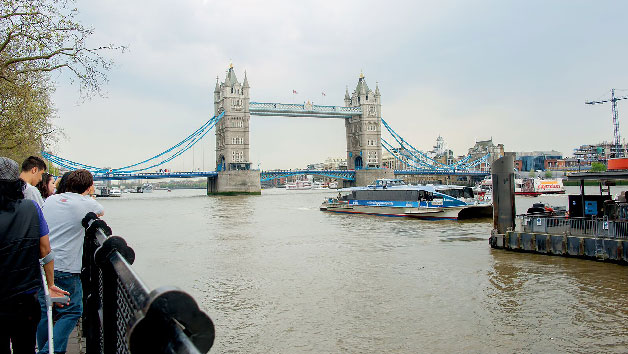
{"x":23,"y":240}
{"x":64,"y":213}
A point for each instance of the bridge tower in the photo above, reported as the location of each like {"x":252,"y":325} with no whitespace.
{"x":232,"y":139}
{"x":364,"y":147}
{"x":232,"y":132}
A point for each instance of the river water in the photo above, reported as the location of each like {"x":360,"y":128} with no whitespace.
{"x":279,"y":276}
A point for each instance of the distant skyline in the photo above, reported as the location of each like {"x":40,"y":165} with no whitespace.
{"x":518,"y":72}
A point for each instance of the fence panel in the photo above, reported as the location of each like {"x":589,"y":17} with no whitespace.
{"x":121,"y":315}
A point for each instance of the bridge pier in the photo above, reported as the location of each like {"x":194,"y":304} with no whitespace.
{"x":236,"y":182}
{"x":367,"y":176}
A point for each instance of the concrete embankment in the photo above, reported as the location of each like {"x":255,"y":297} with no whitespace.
{"x":612,"y":250}
{"x":591,"y":237}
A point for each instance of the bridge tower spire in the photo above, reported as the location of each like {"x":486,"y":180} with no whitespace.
{"x":364,"y":148}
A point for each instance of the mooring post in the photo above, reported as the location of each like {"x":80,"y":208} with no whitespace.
{"x":503,"y":177}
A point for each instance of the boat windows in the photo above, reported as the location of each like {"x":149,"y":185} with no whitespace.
{"x":425,"y":195}
{"x":466,"y":192}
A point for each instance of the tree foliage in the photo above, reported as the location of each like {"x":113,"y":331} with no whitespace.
{"x":598,"y":167}
{"x":25,"y":116}
{"x":45,"y":36}
{"x":38,"y":37}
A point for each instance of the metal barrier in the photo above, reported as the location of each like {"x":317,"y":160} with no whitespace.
{"x":121,"y":315}
{"x":599,"y":227}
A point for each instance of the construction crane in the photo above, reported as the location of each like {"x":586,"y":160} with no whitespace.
{"x":617,"y":146}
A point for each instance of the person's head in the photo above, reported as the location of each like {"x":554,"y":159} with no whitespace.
{"x":32,"y":169}
{"x":60,"y":183}
{"x":11,"y":186}
{"x":79,"y":181}
{"x":46,"y":186}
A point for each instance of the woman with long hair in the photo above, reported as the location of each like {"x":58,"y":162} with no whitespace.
{"x":46,"y":186}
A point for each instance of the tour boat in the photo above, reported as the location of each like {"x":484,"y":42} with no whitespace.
{"x":536,"y":186}
{"x":299,"y":185}
{"x":393,"y":197}
{"x":320,"y":185}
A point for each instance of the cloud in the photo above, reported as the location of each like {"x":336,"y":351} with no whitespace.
{"x":464,"y":71}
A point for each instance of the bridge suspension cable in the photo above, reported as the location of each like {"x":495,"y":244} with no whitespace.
{"x":166,"y":156}
{"x":416,"y":159}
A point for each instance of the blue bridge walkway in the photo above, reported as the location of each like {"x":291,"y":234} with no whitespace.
{"x":348,"y":175}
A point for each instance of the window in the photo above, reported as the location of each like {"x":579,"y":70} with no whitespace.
{"x":237,"y":140}
{"x":372,"y":157}
{"x":237,"y":156}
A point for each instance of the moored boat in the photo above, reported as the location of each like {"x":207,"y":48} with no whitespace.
{"x":392,"y":197}
{"x":536,"y":186}
{"x":299,"y":185}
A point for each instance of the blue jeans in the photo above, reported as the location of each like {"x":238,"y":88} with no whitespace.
{"x":67,"y":316}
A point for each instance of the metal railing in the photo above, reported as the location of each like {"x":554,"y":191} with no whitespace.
{"x":121,"y":315}
{"x":598,"y":227}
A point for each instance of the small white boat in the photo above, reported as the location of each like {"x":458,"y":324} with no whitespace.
{"x":299,"y":185}
{"x":319,"y":185}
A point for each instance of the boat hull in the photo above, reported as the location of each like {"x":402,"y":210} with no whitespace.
{"x":451,"y":213}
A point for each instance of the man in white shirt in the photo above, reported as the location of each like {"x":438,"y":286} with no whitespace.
{"x":64,"y":213}
{"x":32,"y":169}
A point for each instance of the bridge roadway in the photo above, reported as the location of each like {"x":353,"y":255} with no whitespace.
{"x":348,"y":175}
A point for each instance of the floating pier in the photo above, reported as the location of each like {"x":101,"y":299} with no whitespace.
{"x":596,"y":227}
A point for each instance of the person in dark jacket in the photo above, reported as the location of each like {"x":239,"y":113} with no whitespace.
{"x":23,"y":241}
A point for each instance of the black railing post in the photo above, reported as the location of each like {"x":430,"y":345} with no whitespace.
{"x":121,"y":316}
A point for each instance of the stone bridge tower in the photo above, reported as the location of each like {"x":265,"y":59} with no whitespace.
{"x":233,"y":163}
{"x":232,"y":132}
{"x":364,"y":148}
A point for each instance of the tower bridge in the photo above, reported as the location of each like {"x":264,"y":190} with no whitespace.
{"x":361,"y":113}
{"x":233,"y":108}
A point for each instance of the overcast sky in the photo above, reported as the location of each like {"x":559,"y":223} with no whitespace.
{"x":516,"y":71}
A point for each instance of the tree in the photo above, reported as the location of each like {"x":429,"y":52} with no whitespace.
{"x":598,"y":167}
{"x":531,"y":173}
{"x":44,"y":36}
{"x":548,"y":174}
{"x":25,"y":116}
{"x":38,"y":37}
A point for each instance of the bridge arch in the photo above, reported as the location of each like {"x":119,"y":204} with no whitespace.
{"x":358,"y":163}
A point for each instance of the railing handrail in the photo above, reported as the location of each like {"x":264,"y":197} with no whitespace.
{"x":122,"y":315}
{"x":574,"y":226}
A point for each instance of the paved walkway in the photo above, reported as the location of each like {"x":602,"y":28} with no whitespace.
{"x":76,"y":343}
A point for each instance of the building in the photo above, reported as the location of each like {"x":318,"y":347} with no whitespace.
{"x":537,"y":160}
{"x":335,"y":163}
{"x":595,"y":152}
{"x":440,"y":153}
{"x":481,"y":149}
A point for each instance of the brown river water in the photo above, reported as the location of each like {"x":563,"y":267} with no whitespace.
{"x":277,"y":275}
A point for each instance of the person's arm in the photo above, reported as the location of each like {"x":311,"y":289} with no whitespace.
{"x":44,"y":250}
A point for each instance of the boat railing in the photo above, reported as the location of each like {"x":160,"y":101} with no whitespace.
{"x":561,"y":225}
{"x":121,"y":314}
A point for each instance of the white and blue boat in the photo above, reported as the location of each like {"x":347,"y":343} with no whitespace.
{"x":393,"y":197}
